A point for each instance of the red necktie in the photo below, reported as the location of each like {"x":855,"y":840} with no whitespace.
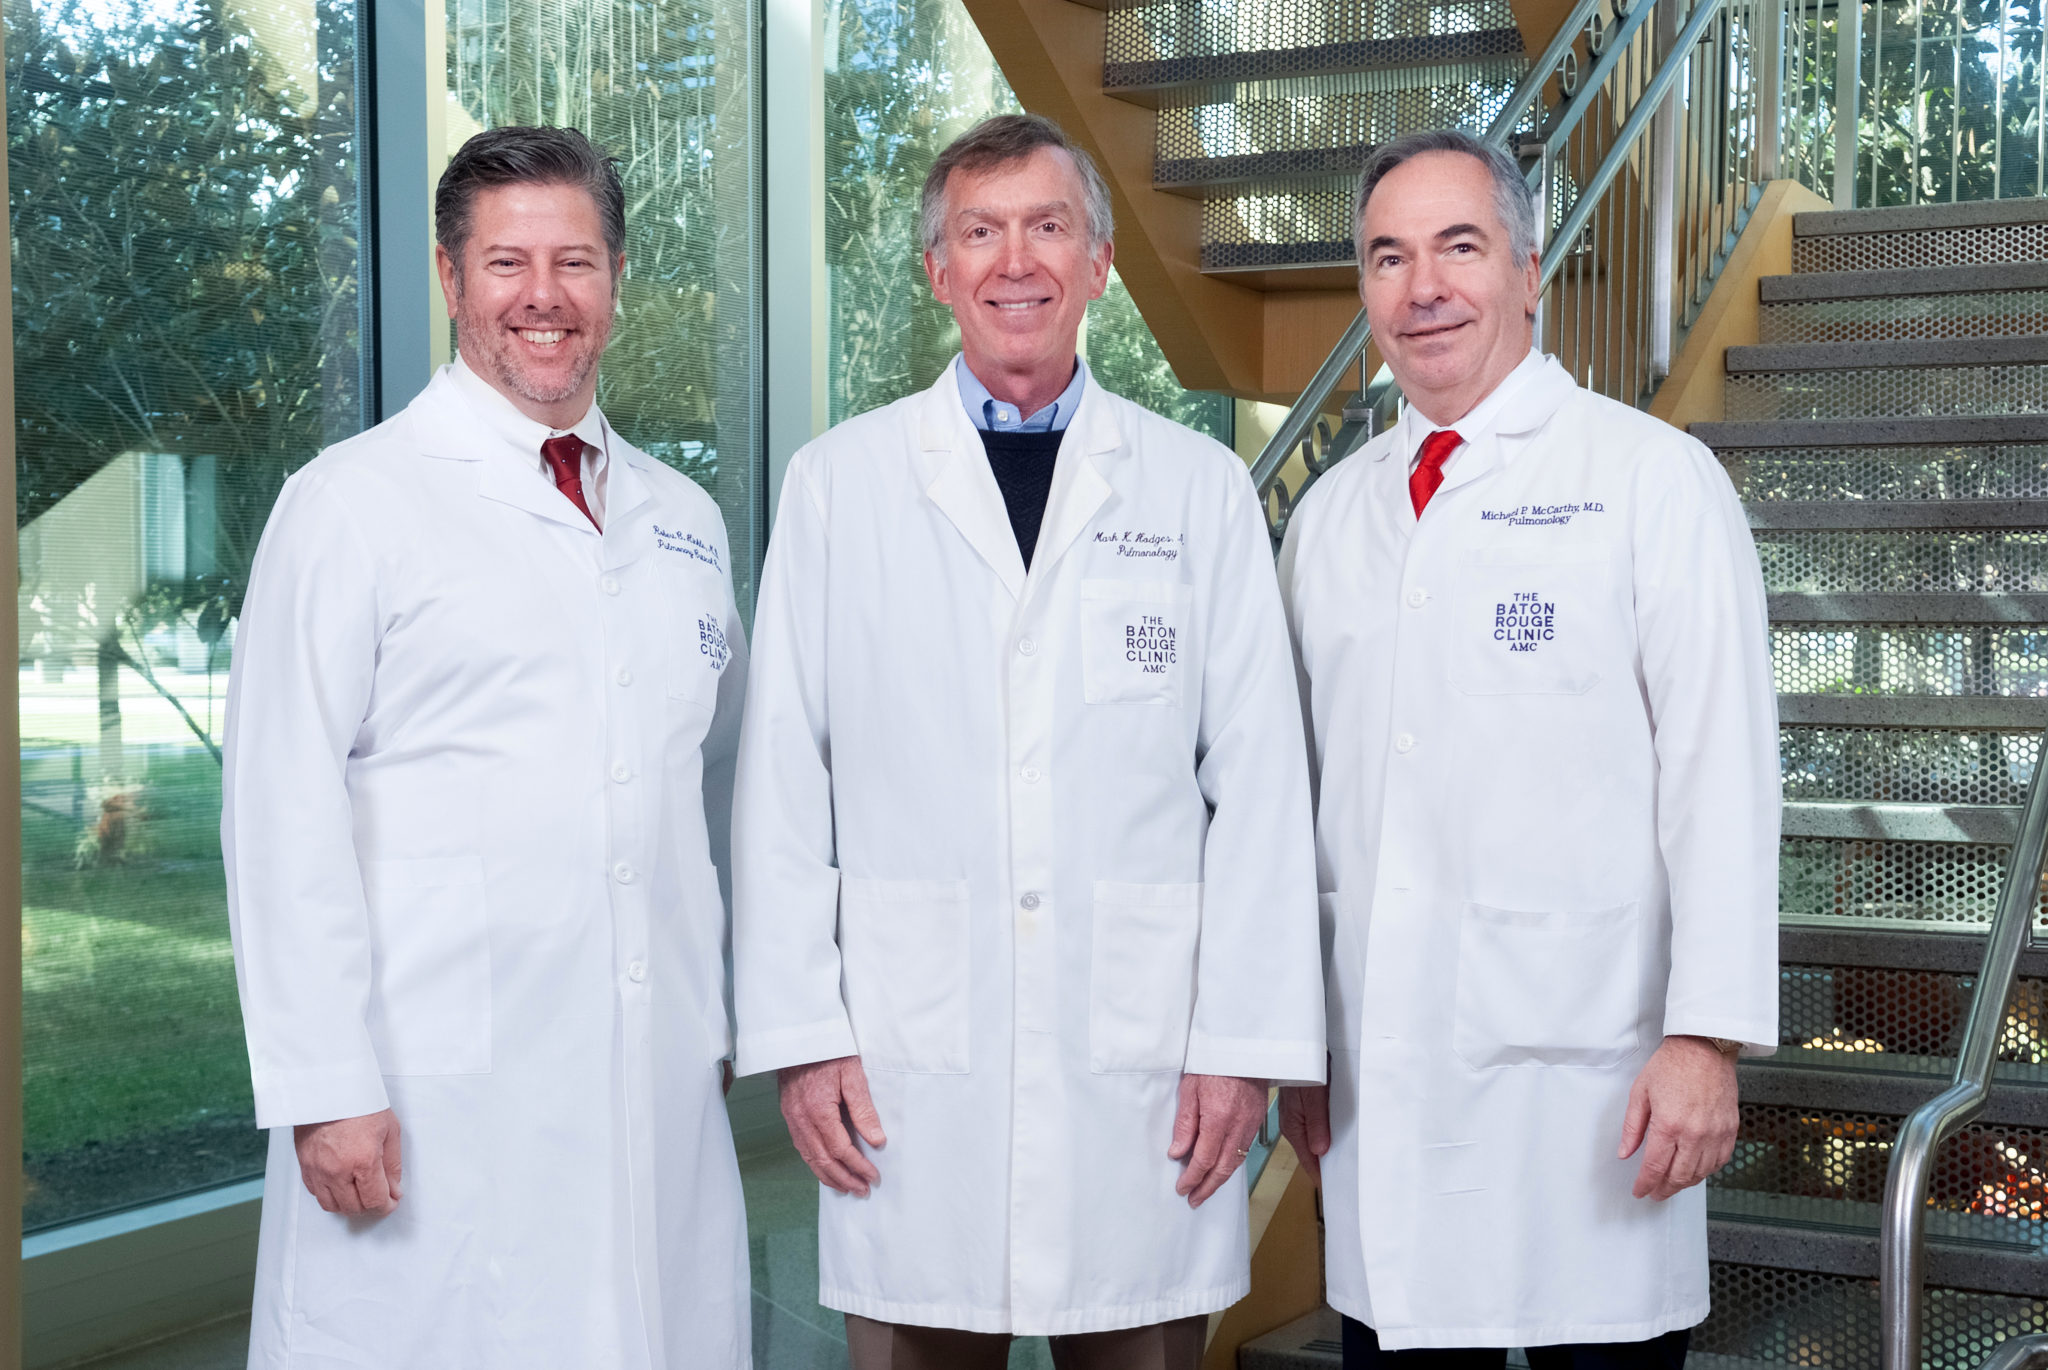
{"x":564,"y":456}
{"x":1429,"y":472}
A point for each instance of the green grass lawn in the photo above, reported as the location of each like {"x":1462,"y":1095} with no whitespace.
{"x":129,"y":1017}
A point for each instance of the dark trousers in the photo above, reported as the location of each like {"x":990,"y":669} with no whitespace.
{"x":1362,"y":1352}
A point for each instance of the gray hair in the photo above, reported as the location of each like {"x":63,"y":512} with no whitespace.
{"x":998,"y":141}
{"x":1513,"y":205}
{"x":519,"y":155}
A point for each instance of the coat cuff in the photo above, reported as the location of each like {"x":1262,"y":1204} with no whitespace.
{"x":825,"y":1040}
{"x":318,"y":1094}
{"x":1254,"y":1058}
{"x":1758,"y":1039}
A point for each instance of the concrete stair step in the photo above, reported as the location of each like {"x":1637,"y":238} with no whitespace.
{"x":1976,"y":279}
{"x":1886,"y":1083}
{"x":1865,"y":515}
{"x":1784,"y":1236}
{"x":1914,"y":711}
{"x":1977,"y":233}
{"x":1871,"y":821}
{"x":1832,"y":223}
{"x":1887,"y":355}
{"x":1816,"y":436}
{"x":1925,"y":609}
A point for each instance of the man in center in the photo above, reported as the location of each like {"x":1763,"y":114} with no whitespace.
{"x":1025,"y":884}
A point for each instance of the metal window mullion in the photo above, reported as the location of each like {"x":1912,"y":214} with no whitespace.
{"x":1848,"y":71}
{"x":399,"y":204}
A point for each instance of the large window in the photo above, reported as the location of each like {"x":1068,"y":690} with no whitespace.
{"x":902,"y":79}
{"x":184,"y":204}
{"x":668,"y":87}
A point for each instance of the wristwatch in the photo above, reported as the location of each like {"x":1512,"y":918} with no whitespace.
{"x":1727,"y":1046}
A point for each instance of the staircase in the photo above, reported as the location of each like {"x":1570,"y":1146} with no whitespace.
{"x":1266,"y":113}
{"x":1889,"y":437}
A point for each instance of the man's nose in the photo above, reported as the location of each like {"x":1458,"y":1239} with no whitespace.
{"x":1425,"y":281}
{"x":543,"y":287}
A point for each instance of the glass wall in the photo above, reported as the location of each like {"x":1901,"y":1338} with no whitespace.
{"x":182,"y":176}
{"x":668,"y":88}
{"x":902,"y":79}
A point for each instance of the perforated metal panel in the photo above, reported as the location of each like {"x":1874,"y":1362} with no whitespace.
{"x":1278,"y":227}
{"x":1905,"y":882}
{"x":1902,"y":659}
{"x":1803,"y":1318}
{"x":1991,"y":1177}
{"x":1145,"y":42}
{"x":1921,"y":247}
{"x":1895,"y":390}
{"x":2003,"y":314}
{"x":1821,"y":561}
{"x":1322,"y":126}
{"x":1865,"y":1011}
{"x":1992,"y":471}
{"x":1906,"y":765}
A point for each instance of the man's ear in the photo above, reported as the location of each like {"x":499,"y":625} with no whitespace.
{"x":935,"y":272}
{"x":1104,"y":258}
{"x":451,"y":277}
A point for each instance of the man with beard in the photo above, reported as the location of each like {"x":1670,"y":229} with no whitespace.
{"x":480,"y":740}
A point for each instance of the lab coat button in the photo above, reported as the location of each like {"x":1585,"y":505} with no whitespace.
{"x":637,"y":971}
{"x":610,"y":585}
{"x":621,"y":772}
{"x":1404,"y":742}
{"x":1032,"y":775}
{"x":1416,"y":599}
{"x":1027,"y":645}
{"x":1029,"y":901}
{"x":622,"y":873}
{"x":624,"y":677}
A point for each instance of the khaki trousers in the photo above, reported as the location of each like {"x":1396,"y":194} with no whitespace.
{"x":1174,"y":1345}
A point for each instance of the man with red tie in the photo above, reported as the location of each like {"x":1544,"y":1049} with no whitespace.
{"x":479,"y":756}
{"x":1529,"y":624}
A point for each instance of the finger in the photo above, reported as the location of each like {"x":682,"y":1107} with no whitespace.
{"x":860,"y":1105}
{"x":841,"y":1146}
{"x":373,"y":1190}
{"x":1657,"y":1158}
{"x":1184,"y":1120}
{"x":1318,"y":1111}
{"x":1208,"y":1152}
{"x":1636,"y":1124}
{"x":322,"y":1195}
{"x":394,"y":1162}
{"x":1226,"y":1166}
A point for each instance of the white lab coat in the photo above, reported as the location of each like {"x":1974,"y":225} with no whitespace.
{"x":477,"y":766}
{"x":1547,"y":837}
{"x":1032,"y":846}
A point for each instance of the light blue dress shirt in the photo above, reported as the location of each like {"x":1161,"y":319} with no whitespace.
{"x":993,"y":415}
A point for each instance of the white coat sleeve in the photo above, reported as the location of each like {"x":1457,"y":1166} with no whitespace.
{"x":1703,"y":634}
{"x":1259,"y":973}
{"x":721,"y":748}
{"x":786,"y":877}
{"x":305,"y":652}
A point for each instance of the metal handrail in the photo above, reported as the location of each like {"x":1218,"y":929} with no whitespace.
{"x":1902,"y":1238}
{"x":2019,"y":1353}
{"x":1303,"y":413}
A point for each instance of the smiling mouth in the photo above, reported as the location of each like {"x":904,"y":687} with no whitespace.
{"x":1424,"y":334}
{"x":1018,"y":306}
{"x":542,"y":337}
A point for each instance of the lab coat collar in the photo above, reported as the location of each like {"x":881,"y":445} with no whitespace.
{"x":1523,"y":402}
{"x":958,"y":479}
{"x":450,"y":424}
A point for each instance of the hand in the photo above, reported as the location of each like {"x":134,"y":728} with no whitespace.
{"x":1305,"y":1123}
{"x":825,"y":1103}
{"x":725,"y":1077}
{"x":1683,"y":1106}
{"x":1218,"y":1120}
{"x":351,"y":1165}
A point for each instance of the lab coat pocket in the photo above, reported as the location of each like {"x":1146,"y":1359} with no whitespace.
{"x":903,"y":955}
{"x":1529,"y":620}
{"x":430,"y":966}
{"x":1141,"y":990}
{"x":694,"y":601}
{"x":1548,"y":989}
{"x":1134,"y":640}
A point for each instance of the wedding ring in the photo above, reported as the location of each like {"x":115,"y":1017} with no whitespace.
{"x":1243,"y":1152}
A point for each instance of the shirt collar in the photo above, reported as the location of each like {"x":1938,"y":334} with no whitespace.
{"x":993,"y":415}
{"x":503,"y":420}
{"x":1478,"y":422}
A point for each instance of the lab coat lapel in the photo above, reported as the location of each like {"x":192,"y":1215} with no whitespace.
{"x":1079,"y":489}
{"x":442,"y":424}
{"x":1525,"y":411}
{"x":962,"y":485}
{"x":627,"y":538}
